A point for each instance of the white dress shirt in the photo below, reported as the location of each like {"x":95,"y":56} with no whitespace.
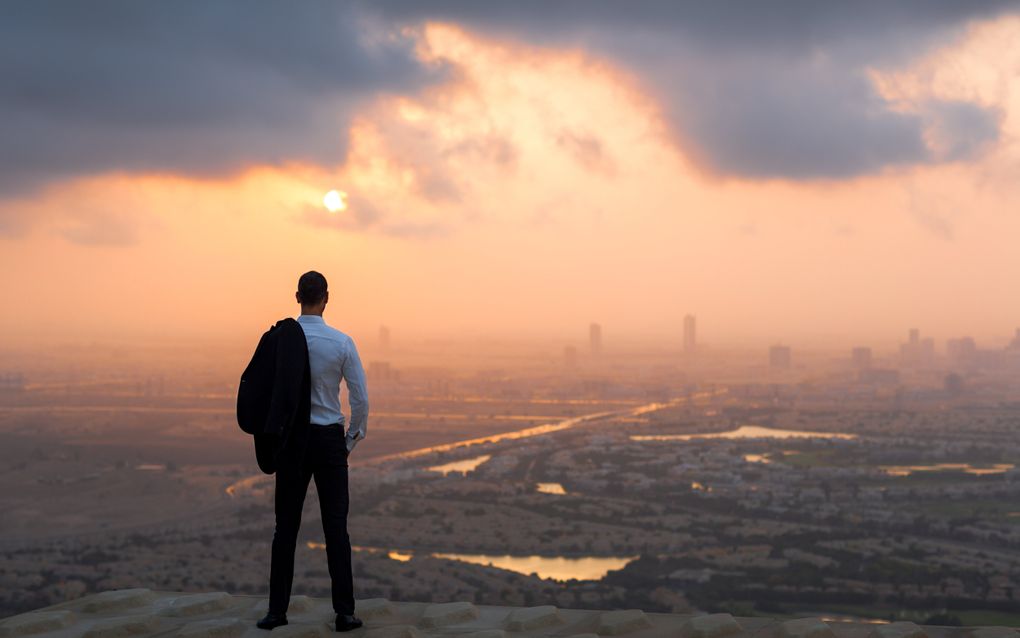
{"x":332,"y":356}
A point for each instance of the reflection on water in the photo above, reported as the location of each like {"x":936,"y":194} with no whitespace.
{"x":151,"y":467}
{"x":251,"y":484}
{"x":847,"y":618}
{"x":463,"y":466}
{"x":757,"y":458}
{"x":556,"y":568}
{"x":746,"y":432}
{"x":550,"y":488}
{"x":506,"y":436}
{"x":547,"y":428}
{"x":907,"y":470}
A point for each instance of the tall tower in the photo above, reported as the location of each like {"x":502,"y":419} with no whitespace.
{"x":384,"y":338}
{"x":595,"y":338}
{"x":861,"y":357}
{"x":690,"y":338}
{"x":780,"y":357}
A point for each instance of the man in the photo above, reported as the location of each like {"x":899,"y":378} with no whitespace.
{"x":332,"y":356}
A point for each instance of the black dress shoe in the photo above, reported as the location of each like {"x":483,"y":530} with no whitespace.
{"x":271,"y":620}
{"x":347,"y":623}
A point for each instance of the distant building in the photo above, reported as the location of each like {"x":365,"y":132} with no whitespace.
{"x":384,"y":338}
{"x":12,"y":382}
{"x":690,"y":334}
{"x":917,"y":351}
{"x":953,"y":384}
{"x":861,"y":357}
{"x":570,"y":357}
{"x":961,"y":349}
{"x":780,"y":357}
{"x":878,"y":376}
{"x":1015,"y":343}
{"x":382,"y":371}
{"x":595,"y":338}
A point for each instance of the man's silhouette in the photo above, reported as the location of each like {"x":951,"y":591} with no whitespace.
{"x":332,"y":356}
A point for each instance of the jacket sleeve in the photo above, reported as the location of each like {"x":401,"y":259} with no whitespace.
{"x":286,"y":381}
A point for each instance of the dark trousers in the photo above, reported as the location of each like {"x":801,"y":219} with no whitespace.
{"x":325,"y":459}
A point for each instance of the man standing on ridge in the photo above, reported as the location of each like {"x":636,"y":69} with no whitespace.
{"x":332,"y":356}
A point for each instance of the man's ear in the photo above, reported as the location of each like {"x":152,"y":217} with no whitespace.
{"x":297,"y":297}
{"x":325,"y":298}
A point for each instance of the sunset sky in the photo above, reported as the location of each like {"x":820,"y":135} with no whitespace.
{"x":808,"y":172}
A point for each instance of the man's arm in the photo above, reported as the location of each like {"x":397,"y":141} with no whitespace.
{"x":354,"y":376}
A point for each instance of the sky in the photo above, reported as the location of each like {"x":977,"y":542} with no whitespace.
{"x":806,"y":172}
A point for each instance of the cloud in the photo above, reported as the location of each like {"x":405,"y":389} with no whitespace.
{"x":588,"y":150}
{"x":959,"y":130}
{"x":102,"y":230}
{"x":749,"y":88}
{"x":198,"y":88}
{"x":757,"y":89}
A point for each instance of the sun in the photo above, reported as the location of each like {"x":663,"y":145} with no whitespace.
{"x":335,"y":201}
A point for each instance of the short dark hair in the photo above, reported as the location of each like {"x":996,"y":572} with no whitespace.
{"x":311,"y":288}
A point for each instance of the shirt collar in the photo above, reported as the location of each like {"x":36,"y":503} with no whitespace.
{"x":310,"y":319}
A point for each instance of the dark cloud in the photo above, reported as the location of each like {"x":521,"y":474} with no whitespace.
{"x":760,"y":89}
{"x":204,"y":87}
{"x":197,"y":87}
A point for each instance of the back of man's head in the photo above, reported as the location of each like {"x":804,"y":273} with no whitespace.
{"x":311,"y":288}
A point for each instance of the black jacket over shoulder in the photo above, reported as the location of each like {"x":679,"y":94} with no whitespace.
{"x":274,"y":396}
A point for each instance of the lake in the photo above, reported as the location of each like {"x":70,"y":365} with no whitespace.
{"x":550,"y":488}
{"x":463,"y":466}
{"x":746,"y":432}
{"x":554,"y":567}
{"x":967,"y":468}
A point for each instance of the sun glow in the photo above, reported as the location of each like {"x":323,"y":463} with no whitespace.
{"x":335,"y":201}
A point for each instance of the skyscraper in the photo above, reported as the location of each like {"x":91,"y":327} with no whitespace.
{"x":384,"y":338}
{"x":780,"y":357}
{"x":917,"y":351}
{"x":595,"y":338}
{"x":861,"y":357}
{"x":570,"y":356}
{"x":690,"y":338}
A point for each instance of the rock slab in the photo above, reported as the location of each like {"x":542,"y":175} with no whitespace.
{"x":394,"y":631}
{"x":214,"y":628}
{"x":531,"y":618}
{"x":711,"y":626}
{"x":442,"y":614}
{"x":195,"y":604}
{"x":118,"y":600}
{"x":374,"y":608}
{"x":622,"y":621}
{"x":805,"y":628}
{"x":36,"y":622}
{"x":123,"y":626}
{"x":995,"y":632}
{"x":898,"y":630}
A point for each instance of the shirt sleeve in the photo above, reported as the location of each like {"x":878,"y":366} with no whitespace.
{"x":354,"y":376}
